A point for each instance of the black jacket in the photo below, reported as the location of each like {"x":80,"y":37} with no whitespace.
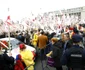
{"x":6,"y":62}
{"x":57,"y":52}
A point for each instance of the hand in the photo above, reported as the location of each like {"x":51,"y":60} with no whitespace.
{"x":47,"y":55}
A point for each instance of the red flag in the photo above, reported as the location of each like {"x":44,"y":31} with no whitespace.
{"x":8,"y":21}
{"x":8,"y":17}
{"x":33,"y":20}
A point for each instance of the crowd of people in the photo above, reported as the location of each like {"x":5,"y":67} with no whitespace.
{"x":65,"y":46}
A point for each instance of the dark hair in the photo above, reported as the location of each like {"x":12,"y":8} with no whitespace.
{"x":39,"y":30}
{"x":31,"y":32}
{"x":42,"y":32}
{"x":75,"y":30}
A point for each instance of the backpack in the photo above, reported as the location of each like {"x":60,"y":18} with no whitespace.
{"x":75,"y":58}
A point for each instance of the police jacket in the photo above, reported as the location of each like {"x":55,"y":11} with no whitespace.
{"x":67,"y":56}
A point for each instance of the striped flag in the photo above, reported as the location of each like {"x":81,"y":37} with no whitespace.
{"x":8,"y":21}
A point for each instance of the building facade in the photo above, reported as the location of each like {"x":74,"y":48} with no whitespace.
{"x":76,"y":12}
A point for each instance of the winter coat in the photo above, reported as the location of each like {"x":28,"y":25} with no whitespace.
{"x":42,"y":41}
{"x":6,"y":62}
{"x":57,"y":52}
{"x":27,"y":57}
{"x":21,"y":38}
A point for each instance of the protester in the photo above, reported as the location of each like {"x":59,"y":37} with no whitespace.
{"x":27,"y":57}
{"x":21,"y":37}
{"x":34,"y":39}
{"x":27,"y":38}
{"x":19,"y":65}
{"x":42,"y":44}
{"x":6,"y":60}
{"x":67,"y":42}
{"x":56,"y":53}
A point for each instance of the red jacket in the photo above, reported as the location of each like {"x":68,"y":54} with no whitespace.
{"x":19,"y":65}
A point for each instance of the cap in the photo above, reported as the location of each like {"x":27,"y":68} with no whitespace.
{"x":77,"y":38}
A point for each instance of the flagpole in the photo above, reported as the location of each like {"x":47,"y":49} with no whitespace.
{"x":9,"y":31}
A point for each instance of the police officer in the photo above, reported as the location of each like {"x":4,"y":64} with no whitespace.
{"x":74,"y":57}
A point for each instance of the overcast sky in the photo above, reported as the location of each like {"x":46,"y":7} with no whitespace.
{"x":22,"y":8}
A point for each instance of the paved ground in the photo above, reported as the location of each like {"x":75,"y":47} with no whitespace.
{"x":38,"y":65}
